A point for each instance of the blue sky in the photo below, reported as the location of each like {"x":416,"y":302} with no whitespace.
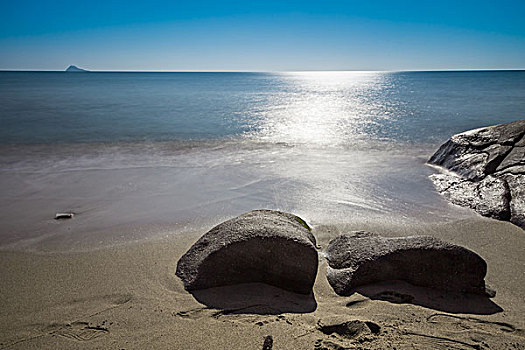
{"x":262,"y":35}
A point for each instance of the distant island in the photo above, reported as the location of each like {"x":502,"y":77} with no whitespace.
{"x":75,"y":69}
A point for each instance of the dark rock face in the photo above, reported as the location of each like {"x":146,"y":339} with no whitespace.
{"x":489,"y":167}
{"x":360,"y":258}
{"x":260,"y":246}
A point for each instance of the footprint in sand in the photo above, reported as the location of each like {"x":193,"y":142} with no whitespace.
{"x":271,"y":319}
{"x":81,"y":331}
{"x":211,"y":312}
{"x":111,"y":299}
{"x":351,"y":329}
{"x":394,"y":297}
{"x":357,"y":303}
{"x":429,"y":342}
{"x":460,"y":324}
{"x":321,"y":344}
{"x":474,"y":333}
{"x":346,"y":332}
{"x":235,"y":315}
{"x":193,"y":313}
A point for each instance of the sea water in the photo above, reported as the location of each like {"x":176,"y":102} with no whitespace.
{"x":126,"y":151}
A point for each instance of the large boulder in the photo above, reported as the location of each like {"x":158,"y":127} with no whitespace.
{"x":489,"y":197}
{"x":360,"y":258}
{"x":265,"y":246}
{"x":488,"y":171}
{"x":517,"y":194}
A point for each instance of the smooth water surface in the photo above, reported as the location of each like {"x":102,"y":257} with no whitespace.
{"x":326,"y":108}
{"x":128,"y":150}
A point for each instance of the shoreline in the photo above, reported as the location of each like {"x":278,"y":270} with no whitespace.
{"x":133,"y":194}
{"x":128,"y":296}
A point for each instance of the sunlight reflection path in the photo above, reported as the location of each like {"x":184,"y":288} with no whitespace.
{"x":326,"y":108}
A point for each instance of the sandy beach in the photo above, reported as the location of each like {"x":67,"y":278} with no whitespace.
{"x":174,"y":174}
{"x":149,"y":162}
{"x":128,"y":297}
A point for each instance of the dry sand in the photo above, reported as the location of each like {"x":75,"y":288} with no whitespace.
{"x":128,"y":297}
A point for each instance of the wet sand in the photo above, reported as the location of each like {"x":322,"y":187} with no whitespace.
{"x":128,"y":297}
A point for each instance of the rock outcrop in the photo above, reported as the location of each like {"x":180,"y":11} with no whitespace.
{"x":361,"y":258}
{"x":488,"y":171}
{"x":265,"y":246}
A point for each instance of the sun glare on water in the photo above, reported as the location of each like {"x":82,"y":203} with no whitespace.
{"x":324,"y":108}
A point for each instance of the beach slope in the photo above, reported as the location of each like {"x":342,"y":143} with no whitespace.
{"x":128,"y":297}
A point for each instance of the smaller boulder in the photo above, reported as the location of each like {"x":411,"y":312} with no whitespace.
{"x":360,"y":258}
{"x":265,"y":246}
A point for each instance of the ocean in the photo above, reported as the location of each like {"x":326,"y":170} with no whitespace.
{"x":136,"y":155}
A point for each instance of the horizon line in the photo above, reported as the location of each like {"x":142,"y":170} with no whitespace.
{"x":265,"y":71}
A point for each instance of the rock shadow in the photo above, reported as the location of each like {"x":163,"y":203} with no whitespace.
{"x":400,"y":292}
{"x":255,"y":298}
